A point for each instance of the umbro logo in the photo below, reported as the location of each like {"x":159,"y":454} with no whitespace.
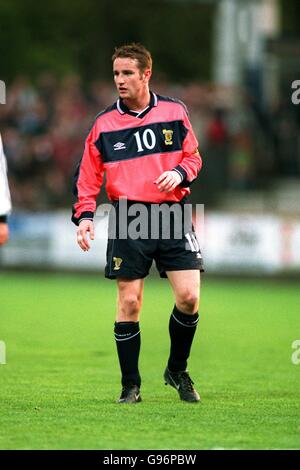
{"x":119,"y":146}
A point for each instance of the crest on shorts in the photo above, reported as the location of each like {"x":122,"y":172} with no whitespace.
{"x":117,"y":262}
{"x":168,"y":133}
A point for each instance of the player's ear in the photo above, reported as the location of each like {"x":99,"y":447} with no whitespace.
{"x":147,"y":75}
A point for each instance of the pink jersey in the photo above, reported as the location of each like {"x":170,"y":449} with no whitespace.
{"x":134,"y":150}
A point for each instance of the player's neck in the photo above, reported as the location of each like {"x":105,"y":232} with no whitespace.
{"x":140,"y":103}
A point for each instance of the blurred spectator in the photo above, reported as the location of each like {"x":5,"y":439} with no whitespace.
{"x":241,"y":162}
{"x":215,"y":151}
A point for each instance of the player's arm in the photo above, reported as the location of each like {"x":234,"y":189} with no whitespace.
{"x":87,"y":184}
{"x":5,"y":201}
{"x":4,"y":230}
{"x":186,"y":172}
{"x":191,"y":162}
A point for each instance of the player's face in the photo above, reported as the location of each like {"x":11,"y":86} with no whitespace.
{"x":131,"y":83}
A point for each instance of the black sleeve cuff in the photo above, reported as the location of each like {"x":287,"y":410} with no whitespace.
{"x":180,"y":171}
{"x":186,"y":184}
{"x":84,"y":215}
{"x":3,"y":219}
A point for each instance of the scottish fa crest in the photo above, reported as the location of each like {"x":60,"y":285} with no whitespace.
{"x":168,"y":133}
{"x":117,"y":262}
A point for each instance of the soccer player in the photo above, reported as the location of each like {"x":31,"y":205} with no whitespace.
{"x":146,"y":146}
{"x":5,"y":202}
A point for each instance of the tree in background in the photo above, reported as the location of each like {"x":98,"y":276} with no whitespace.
{"x":79,"y":36}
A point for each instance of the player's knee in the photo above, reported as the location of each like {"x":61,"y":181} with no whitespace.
{"x":188,"y":302}
{"x":130,"y":305}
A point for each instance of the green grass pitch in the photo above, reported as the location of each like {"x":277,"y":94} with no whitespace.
{"x":61,"y":380}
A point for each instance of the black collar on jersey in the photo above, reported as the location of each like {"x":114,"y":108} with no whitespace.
{"x":122,"y":108}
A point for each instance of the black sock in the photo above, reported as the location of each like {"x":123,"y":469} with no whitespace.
{"x":182,"y":328}
{"x":128,"y":340}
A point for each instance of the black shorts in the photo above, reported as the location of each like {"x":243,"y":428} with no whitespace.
{"x":168,"y":238}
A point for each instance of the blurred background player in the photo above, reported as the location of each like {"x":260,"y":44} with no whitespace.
{"x":145,"y":144}
{"x":5,"y":202}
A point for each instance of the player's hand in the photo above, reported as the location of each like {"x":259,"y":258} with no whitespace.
{"x":168,"y":181}
{"x":4,"y":233}
{"x":84,"y":227}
